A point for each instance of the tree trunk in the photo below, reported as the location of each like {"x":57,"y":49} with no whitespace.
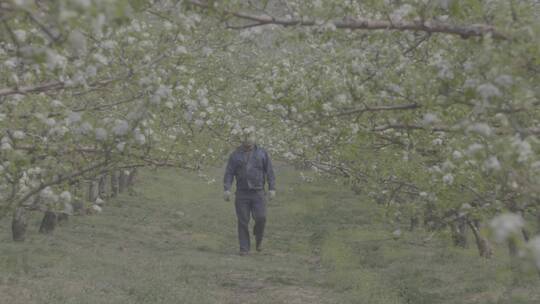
{"x":114,"y":183}
{"x":512,"y":247}
{"x":538,"y":221}
{"x":484,"y":247}
{"x":78,"y":205}
{"x":19,"y":224}
{"x":131,"y":181}
{"x":459,"y":233}
{"x":102,"y":186}
{"x":48,"y":223}
{"x":526,"y":234}
{"x":414,"y":222}
{"x":429,"y":217}
{"x":123,"y":181}
{"x":93,"y":191}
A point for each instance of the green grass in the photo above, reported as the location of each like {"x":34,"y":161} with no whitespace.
{"x":175,"y":242}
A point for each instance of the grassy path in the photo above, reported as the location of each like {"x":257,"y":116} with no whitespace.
{"x":175,"y":242}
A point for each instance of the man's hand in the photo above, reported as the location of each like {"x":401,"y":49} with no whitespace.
{"x":272,"y":194}
{"x":227,"y":196}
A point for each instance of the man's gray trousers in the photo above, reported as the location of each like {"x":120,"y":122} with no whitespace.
{"x":250,"y":203}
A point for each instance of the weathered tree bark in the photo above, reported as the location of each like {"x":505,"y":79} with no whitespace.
{"x":484,"y":247}
{"x":122,"y":181}
{"x":93,"y":190}
{"x":131,"y":181}
{"x":132,"y":177}
{"x":459,"y":233}
{"x":512,"y":247}
{"x":414,"y":223}
{"x":77,"y":203}
{"x":19,"y":224}
{"x":538,"y":221}
{"x":78,"y":207}
{"x":526,"y":234}
{"x":114,"y":183}
{"x":102,"y":186}
{"x":48,"y":223}
{"x":429,"y":217}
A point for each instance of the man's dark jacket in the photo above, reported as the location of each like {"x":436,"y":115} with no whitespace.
{"x":251,"y":169}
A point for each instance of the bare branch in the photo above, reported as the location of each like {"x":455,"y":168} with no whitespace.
{"x":431,"y":26}
{"x":53,"y":85}
{"x":410,"y":127}
{"x":411,"y":106}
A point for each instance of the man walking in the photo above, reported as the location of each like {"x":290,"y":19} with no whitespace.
{"x":251,"y":166}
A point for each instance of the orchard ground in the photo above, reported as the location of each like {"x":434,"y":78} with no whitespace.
{"x":175,"y":242}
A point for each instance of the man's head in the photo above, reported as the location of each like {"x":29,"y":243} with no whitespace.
{"x":248,"y":137}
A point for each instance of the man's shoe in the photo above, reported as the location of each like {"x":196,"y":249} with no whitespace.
{"x":259,"y":247}
{"x":243,"y":253}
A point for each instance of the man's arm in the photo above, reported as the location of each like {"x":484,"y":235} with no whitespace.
{"x":229,"y":174}
{"x":269,"y":171}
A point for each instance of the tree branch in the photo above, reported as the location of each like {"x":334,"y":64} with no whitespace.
{"x":410,"y":127}
{"x":431,"y":26}
{"x":53,"y":85}
{"x":411,"y":106}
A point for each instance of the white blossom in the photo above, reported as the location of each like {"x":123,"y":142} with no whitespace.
{"x":492,"y":163}
{"x":181,"y":50}
{"x":18,"y":134}
{"x":120,"y":146}
{"x":355,"y":128}
{"x":474,"y":148}
{"x":430,"y":118}
{"x":20,"y":35}
{"x":85,"y":128}
{"x":504,"y":80}
{"x":523,"y":148}
{"x":505,"y":225}
{"x":120,"y":128}
{"x":48,"y":195}
{"x":68,"y":208}
{"x":466,"y":206}
{"x":58,"y":131}
{"x":97,"y":208}
{"x":73,"y":117}
{"x":99,"y":201}
{"x":101,"y":58}
{"x":140,"y":138}
{"x":480,"y":128}
{"x":6,"y":146}
{"x":488,"y":90}
{"x":101,"y":134}
{"x":448,"y":179}
{"x":437,"y":141}
{"x":56,"y":103}
{"x":457,"y":154}
{"x":55,"y":60}
{"x":327,"y":107}
{"x":50,"y":122}
{"x":199,"y":123}
{"x":288,"y":155}
{"x":65,"y":196}
{"x":398,"y":14}
{"x":77,"y":42}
